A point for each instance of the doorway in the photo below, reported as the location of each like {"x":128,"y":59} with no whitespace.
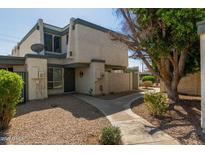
{"x":69,"y":79}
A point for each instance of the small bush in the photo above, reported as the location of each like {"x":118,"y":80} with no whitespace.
{"x":142,"y":75}
{"x":156,"y":103}
{"x":149,"y":78}
{"x":147,"y":84}
{"x":11,"y":85}
{"x":110,"y":136}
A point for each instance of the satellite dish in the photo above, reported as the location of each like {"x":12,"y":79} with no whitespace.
{"x":37,"y":47}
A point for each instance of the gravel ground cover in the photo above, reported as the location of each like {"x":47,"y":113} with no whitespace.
{"x":182,"y":123}
{"x":59,"y":119}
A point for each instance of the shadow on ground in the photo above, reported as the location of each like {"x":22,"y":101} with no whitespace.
{"x":183,"y":122}
{"x":78,"y":108}
{"x":47,"y":121}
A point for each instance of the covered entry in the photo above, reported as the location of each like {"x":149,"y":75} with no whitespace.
{"x":17,"y":65}
{"x":24,"y":77}
{"x":69,"y":79}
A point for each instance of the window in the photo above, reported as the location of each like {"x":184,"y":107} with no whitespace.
{"x":48,"y":42}
{"x":52,"y":43}
{"x":54,"y":78}
{"x":57,"y":44}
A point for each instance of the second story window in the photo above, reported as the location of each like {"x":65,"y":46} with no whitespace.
{"x":57,"y":44}
{"x":52,"y":43}
{"x":48,"y":43}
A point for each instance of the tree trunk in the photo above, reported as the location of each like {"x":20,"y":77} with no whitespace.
{"x":172,"y":92}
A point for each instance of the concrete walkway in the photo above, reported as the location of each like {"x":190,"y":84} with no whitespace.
{"x":134,"y":129}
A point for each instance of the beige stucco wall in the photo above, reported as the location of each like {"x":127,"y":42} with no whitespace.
{"x":25,"y":46}
{"x":190,"y":84}
{"x":135,"y":79}
{"x":56,"y":61}
{"x":90,"y":79}
{"x":83,"y":84}
{"x":98,"y":77}
{"x":36,"y":36}
{"x":37,"y":78}
{"x":101,"y":82}
{"x":88,"y":43}
{"x":119,"y":82}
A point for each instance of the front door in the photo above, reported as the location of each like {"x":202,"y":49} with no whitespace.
{"x":69,"y":79}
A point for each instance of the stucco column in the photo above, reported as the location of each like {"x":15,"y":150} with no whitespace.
{"x":37,"y":77}
{"x":97,"y":77}
{"x":41,"y":32}
{"x":201,"y":32}
{"x":71,"y":39}
{"x":40,"y":24}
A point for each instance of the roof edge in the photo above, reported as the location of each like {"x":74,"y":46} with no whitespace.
{"x":11,"y":60}
{"x":28,"y":34}
{"x":62,"y":56}
{"x":92,"y":25}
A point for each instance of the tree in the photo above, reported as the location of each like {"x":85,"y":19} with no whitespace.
{"x":166,"y":40}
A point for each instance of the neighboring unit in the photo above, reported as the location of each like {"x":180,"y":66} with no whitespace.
{"x":188,"y":85}
{"x":80,"y":57}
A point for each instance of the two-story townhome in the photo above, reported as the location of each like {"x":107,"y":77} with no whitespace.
{"x":79,"y":57}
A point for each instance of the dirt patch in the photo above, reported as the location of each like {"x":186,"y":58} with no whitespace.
{"x":182,"y":123}
{"x":60,"y":119}
{"x":116,"y":95}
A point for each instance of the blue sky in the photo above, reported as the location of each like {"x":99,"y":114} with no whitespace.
{"x":15,"y":23}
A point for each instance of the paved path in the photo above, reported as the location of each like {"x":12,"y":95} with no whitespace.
{"x":135,"y":130}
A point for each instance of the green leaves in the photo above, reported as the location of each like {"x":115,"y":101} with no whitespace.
{"x":11,"y":85}
{"x":168,"y":30}
{"x":149,"y":78}
{"x":156,"y":103}
{"x":110,"y":135}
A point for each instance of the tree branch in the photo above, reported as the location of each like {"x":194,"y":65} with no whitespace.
{"x":182,"y":60}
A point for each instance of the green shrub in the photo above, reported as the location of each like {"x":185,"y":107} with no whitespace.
{"x":147,"y":84}
{"x":142,"y":75}
{"x":110,"y":136}
{"x":149,"y":78}
{"x":156,"y":103}
{"x":11,"y":85}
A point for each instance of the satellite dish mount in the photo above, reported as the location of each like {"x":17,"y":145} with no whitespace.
{"x":38,"y":47}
